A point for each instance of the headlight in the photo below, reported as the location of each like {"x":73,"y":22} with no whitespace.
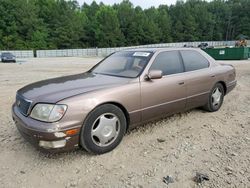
{"x":48,"y":112}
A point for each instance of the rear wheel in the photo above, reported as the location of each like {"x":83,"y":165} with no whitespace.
{"x":215,"y":98}
{"x":103,"y":129}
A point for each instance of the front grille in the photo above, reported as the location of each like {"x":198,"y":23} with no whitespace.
{"x":23,"y":105}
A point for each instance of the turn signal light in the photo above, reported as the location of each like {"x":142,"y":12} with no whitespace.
{"x":71,"y":132}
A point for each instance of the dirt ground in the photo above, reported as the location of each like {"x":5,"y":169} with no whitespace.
{"x":216,"y":144}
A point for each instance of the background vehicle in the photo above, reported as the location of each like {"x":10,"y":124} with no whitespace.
{"x":95,"y":109}
{"x":8,"y":57}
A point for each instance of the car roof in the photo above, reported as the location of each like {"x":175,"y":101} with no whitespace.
{"x":158,"y":49}
{"x":153,"y":50}
{"x":5,"y":53}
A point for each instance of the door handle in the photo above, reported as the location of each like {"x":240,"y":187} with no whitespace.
{"x":181,"y":83}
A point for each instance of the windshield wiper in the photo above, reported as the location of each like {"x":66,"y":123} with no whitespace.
{"x":116,"y":75}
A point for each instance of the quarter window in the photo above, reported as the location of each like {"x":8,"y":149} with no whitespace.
{"x":194,"y":60}
{"x":168,"y":62}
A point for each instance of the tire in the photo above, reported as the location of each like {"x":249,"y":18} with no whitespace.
{"x":103,"y":129}
{"x":212,"y":104}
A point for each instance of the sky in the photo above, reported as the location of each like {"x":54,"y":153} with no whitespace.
{"x":141,"y":3}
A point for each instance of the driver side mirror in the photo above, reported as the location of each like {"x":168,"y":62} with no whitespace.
{"x":154,"y":74}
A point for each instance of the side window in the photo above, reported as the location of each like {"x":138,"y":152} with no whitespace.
{"x":194,"y":60}
{"x":168,"y":62}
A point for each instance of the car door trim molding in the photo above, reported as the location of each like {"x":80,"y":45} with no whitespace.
{"x":146,"y":108}
{"x":196,"y":95}
{"x":157,"y":105}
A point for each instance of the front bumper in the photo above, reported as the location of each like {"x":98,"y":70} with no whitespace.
{"x":8,"y":60}
{"x":56,"y":141}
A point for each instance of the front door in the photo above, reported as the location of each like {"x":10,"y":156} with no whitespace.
{"x":161,"y":97}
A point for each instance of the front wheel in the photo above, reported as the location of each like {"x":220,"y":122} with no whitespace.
{"x":215,"y":98}
{"x":103,"y":129}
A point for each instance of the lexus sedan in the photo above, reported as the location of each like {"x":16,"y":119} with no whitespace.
{"x":94,"y":109}
{"x":8,"y":57}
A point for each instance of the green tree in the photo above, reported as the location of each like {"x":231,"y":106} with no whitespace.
{"x":183,"y":22}
{"x":91,"y":24}
{"x":59,"y":24}
{"x":220,"y":11}
{"x":108,"y":33}
{"x":240,"y":18}
{"x":151,"y":29}
{"x":164,"y":24}
{"x":126,"y":16}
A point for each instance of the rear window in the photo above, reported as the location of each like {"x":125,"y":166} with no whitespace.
{"x":194,"y":60}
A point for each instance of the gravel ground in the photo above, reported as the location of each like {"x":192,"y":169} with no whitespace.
{"x":216,"y":144}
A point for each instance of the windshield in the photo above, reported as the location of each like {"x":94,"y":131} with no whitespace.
{"x":124,"y":64}
{"x":6,"y":54}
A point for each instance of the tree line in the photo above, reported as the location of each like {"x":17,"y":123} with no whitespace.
{"x":61,"y":24}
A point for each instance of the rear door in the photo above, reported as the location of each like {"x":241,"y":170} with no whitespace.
{"x":199,"y":78}
{"x":160,"y":97}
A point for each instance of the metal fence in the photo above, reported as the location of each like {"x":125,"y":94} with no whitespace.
{"x":21,"y":53}
{"x":101,"y":52}
{"x":106,"y":51}
{"x":67,"y":53}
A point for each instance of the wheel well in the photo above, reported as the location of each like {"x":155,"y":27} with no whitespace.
{"x":224,"y":86}
{"x":124,"y":110}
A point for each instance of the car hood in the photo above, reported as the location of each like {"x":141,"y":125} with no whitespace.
{"x":56,"y":89}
